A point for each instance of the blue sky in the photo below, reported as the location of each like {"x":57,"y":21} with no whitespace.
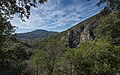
{"x":57,"y":15}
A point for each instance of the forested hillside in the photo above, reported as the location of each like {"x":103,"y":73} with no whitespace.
{"x":39,"y":33}
{"x":91,"y":47}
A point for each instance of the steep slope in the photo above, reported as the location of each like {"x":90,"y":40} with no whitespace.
{"x":91,"y":47}
{"x":35,"y":34}
{"x":80,"y":33}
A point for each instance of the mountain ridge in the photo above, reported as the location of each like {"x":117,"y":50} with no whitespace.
{"x":38,"y":33}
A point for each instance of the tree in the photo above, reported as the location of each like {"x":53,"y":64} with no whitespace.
{"x":22,"y":7}
{"x":5,"y":31}
{"x":9,"y":8}
{"x":46,"y":56}
{"x":112,"y":4}
{"x":92,"y":58}
{"x":110,"y":28}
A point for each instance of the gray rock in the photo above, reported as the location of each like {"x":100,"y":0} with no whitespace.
{"x":80,"y":35}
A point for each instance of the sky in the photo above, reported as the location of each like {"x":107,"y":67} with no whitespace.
{"x":57,"y":15}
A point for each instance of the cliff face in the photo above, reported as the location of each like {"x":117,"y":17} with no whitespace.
{"x":81,"y":32}
{"x":80,"y":35}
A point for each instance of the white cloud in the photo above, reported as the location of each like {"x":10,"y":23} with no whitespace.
{"x":57,"y":15}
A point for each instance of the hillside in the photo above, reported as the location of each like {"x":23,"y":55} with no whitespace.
{"x":91,"y":47}
{"x":74,"y":34}
{"x":39,"y":33}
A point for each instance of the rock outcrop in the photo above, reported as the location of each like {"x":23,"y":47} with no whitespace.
{"x":86,"y":35}
{"x":80,"y":35}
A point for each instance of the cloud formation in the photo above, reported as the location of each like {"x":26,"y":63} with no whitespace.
{"x":57,"y":15}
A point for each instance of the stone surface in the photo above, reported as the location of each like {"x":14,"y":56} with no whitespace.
{"x":79,"y":35}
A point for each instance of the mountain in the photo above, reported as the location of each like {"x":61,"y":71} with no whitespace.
{"x":39,"y":33}
{"x":91,"y":47}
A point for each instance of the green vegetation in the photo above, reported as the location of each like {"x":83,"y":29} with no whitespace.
{"x":36,"y":34}
{"x":110,"y":28}
{"x":98,"y":57}
{"x":52,"y":56}
{"x":92,"y":58}
{"x":21,"y":7}
{"x":46,"y":55}
{"x":14,"y":56}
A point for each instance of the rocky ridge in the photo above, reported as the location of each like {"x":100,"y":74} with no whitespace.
{"x":80,"y":35}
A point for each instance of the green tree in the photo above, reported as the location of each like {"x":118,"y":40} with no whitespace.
{"x":22,"y":7}
{"x":10,"y":7}
{"x":109,"y":28}
{"x":47,"y":54}
{"x":111,"y":4}
{"x":5,"y":31}
{"x":92,"y":58}
{"x":15,"y":56}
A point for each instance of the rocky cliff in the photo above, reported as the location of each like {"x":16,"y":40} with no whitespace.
{"x":80,"y":34}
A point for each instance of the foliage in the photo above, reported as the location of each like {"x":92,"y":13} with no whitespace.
{"x":110,"y":28}
{"x":14,"y":56}
{"x":5,"y":29}
{"x":47,"y":54}
{"x":11,"y":7}
{"x":51,"y":56}
{"x":92,"y":58}
{"x":39,"y":33}
{"x":98,"y":57}
{"x":111,"y":4}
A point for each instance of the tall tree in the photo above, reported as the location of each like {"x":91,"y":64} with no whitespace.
{"x":9,"y":8}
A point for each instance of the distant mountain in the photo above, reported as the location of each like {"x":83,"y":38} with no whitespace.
{"x":39,"y":33}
